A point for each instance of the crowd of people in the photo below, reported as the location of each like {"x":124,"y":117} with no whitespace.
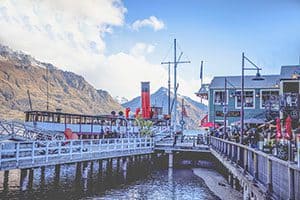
{"x":262,"y":137}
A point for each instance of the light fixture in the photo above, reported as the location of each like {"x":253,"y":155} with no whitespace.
{"x":258,"y":77}
{"x":257,"y":95}
{"x":295,"y":75}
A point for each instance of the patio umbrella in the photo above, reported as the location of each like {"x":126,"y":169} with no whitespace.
{"x":210,"y":125}
{"x":250,"y":121}
{"x":278,"y":129}
{"x":68,"y":133}
{"x":288,"y":128}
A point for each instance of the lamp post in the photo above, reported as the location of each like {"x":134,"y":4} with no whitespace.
{"x":225,"y":109}
{"x":256,"y":78}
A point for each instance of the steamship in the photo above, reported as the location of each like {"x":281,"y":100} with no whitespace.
{"x":100,"y":126}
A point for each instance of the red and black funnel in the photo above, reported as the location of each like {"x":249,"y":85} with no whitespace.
{"x":146,"y":109}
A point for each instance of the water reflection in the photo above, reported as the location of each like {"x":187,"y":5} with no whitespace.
{"x":141,"y":178}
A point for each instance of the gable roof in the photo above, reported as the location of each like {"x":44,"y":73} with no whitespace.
{"x":288,"y":71}
{"x":234,"y":82}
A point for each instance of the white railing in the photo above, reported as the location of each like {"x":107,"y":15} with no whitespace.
{"x":22,"y":131}
{"x":37,"y":153}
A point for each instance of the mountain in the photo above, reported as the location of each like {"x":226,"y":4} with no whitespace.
{"x":68,"y":91}
{"x":120,"y":100}
{"x":195,"y":110}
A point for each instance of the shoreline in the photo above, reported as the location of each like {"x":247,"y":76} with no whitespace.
{"x":212,"y":180}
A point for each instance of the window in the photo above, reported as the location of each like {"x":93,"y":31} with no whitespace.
{"x":270,"y":99}
{"x":219,"y":97}
{"x":248,"y":99}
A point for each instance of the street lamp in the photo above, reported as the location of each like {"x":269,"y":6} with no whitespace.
{"x":258,"y":77}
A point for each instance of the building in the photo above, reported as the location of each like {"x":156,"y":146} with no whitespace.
{"x":264,"y":99}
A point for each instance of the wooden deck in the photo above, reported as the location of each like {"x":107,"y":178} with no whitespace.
{"x":189,"y":144}
{"x":267,"y":176}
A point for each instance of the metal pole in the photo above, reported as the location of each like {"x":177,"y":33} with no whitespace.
{"x":175,"y":85}
{"x":182,"y":109}
{"x":225,"y":107}
{"x":169,"y":90}
{"x":242,"y":98}
{"x":47,"y":74}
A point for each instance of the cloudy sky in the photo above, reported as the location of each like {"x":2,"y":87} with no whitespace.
{"x":117,"y":44}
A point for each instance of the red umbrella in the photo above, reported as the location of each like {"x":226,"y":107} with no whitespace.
{"x":278,"y":129}
{"x":210,"y":125}
{"x":288,"y":128}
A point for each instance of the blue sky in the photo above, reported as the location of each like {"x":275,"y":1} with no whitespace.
{"x":218,"y":31}
{"x":117,"y":44}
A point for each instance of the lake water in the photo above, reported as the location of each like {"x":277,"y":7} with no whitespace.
{"x":140,"y":179}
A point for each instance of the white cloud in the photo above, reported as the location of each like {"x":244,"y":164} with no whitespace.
{"x":70,"y":36}
{"x":140,"y":49}
{"x":152,"y":22}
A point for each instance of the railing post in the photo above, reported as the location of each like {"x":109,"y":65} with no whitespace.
{"x":291,"y":183}
{"x":47,"y":147}
{"x":269,"y":176}
{"x":81,"y":148}
{"x":32,"y":152}
{"x":245,"y":160}
{"x":229,"y":150}
{"x":255,"y":165}
{"x":238,"y":161}
{"x":59,"y":148}
{"x":232,"y":153}
{"x":17,"y":153}
{"x":91,"y":146}
{"x":71,"y":148}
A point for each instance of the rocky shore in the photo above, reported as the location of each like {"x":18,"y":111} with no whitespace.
{"x":218,"y":184}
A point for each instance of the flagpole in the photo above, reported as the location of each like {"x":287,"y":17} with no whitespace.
{"x":201,"y":73}
{"x":201,"y":77}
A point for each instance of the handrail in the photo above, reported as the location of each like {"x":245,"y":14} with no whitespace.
{"x":269,"y":156}
{"x":280,"y":178}
{"x":37,"y":153}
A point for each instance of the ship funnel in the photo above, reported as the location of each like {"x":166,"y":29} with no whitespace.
{"x":146,"y":109}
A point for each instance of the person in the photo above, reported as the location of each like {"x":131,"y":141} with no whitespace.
{"x":175,"y":139}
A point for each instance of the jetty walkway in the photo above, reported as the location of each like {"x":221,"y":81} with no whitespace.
{"x":257,"y":174}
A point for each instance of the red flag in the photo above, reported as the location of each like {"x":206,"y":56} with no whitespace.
{"x":278,"y":129}
{"x":288,"y":128}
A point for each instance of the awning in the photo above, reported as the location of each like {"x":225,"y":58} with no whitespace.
{"x":250,"y":121}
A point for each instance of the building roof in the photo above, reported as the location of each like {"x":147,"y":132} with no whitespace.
{"x":204,"y":89}
{"x":288,"y":71}
{"x":234,"y":82}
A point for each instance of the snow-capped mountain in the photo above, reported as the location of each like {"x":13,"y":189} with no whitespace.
{"x":120,"y":100}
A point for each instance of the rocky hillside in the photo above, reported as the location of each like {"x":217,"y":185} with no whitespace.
{"x":67,"y":90}
{"x":195,"y":110}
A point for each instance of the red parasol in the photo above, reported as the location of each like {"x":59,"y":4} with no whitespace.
{"x":278,"y":129}
{"x":127,"y":111}
{"x":288,"y":128}
{"x":210,"y":125}
{"x":68,"y":133}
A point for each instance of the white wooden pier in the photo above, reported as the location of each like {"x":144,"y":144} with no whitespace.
{"x":21,"y":155}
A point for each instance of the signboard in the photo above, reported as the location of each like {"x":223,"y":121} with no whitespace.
{"x":229,"y":114}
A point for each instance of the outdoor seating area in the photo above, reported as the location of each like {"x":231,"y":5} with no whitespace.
{"x":275,"y":137}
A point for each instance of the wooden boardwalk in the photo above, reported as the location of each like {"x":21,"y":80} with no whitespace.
{"x":188,"y":143}
{"x":262,"y":176}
